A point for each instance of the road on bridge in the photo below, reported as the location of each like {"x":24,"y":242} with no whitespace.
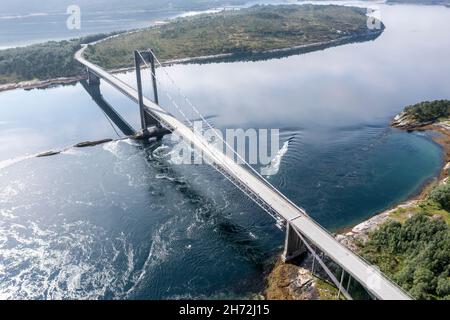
{"x":374,"y":281}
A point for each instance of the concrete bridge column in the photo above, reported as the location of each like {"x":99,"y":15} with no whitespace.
{"x":293,"y":246}
{"x":93,"y":79}
{"x":146,"y":119}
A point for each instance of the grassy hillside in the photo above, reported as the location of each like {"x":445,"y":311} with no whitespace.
{"x":256,"y":29}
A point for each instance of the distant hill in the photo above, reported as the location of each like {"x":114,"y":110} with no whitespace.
{"x":240,"y":32}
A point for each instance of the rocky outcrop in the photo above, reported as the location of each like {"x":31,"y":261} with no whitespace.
{"x":91,"y":143}
{"x":360,"y":233}
{"x":48,"y":154}
{"x":407,"y":122}
{"x":291,"y":282}
{"x":78,"y":145}
{"x":40,"y":84}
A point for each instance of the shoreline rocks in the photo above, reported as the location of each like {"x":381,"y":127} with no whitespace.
{"x":291,"y":282}
{"x":406,"y":122}
{"x":40,"y":84}
{"x":359,"y":234}
{"x":91,"y":143}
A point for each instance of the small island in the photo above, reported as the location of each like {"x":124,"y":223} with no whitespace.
{"x":262,"y":31}
{"x":241,"y":33}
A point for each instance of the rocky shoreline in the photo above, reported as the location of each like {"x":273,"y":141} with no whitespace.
{"x":296,"y":282}
{"x":40,"y":84}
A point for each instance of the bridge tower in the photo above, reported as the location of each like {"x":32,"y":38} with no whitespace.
{"x":146,"y":119}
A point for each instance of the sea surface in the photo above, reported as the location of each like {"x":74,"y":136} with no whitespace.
{"x":24,"y":22}
{"x":121,"y":221}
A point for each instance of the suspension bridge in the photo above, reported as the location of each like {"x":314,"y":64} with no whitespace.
{"x":302,"y":232}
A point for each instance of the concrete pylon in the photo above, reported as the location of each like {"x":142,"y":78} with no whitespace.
{"x":293,"y":245}
{"x":146,"y":119}
{"x":93,"y":79}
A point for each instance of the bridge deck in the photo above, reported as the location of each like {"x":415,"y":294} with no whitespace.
{"x":375,"y":282}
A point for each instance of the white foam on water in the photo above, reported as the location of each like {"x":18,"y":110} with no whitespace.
{"x":274,"y":167}
{"x":131,"y":142}
{"x":161,"y":176}
{"x":161,"y":152}
{"x":196,"y":13}
{"x":7,"y":193}
{"x":13,"y":189}
{"x":73,"y":152}
{"x":159,"y":252}
{"x":112,"y":147}
{"x":9,"y":162}
{"x":22,"y":16}
{"x":121,"y":149}
{"x":60,"y":262}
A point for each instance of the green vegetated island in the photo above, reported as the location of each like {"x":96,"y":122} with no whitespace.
{"x":241,"y":32}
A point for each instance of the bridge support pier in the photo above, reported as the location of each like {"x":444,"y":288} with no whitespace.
{"x":93,"y":79}
{"x":293,"y":245}
{"x":146,"y":119}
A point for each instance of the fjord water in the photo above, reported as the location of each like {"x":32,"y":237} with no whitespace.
{"x":25,"y":22}
{"x":119,"y":221}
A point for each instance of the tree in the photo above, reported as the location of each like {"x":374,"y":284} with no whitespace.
{"x":441,"y":195}
{"x":416,"y":254}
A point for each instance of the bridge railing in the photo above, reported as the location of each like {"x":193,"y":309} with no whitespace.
{"x":185,"y":115}
{"x":189,"y":111}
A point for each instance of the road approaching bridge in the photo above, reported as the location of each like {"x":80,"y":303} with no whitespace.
{"x":301,"y":229}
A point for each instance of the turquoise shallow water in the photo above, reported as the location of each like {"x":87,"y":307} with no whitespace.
{"x":119,"y":221}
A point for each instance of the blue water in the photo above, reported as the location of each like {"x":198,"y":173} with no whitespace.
{"x":24,"y":22}
{"x":119,"y":221}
